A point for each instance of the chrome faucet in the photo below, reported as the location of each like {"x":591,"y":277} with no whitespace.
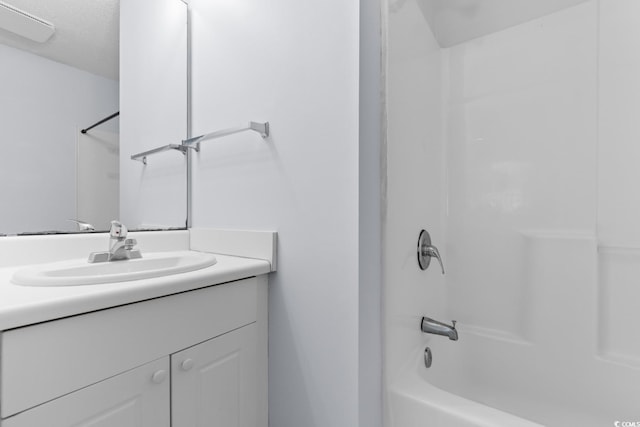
{"x":120,"y":248}
{"x":431,"y":326}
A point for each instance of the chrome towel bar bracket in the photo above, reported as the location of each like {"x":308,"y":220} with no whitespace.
{"x":142,"y":157}
{"x":194,"y":143}
{"x":261,"y":128}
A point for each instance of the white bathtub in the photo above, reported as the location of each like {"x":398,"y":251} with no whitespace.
{"x":496,"y":381}
{"x":415,"y":402}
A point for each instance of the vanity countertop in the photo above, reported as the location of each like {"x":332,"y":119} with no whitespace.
{"x":24,"y":305}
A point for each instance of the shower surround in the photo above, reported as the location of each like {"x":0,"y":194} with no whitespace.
{"x":519,"y":151}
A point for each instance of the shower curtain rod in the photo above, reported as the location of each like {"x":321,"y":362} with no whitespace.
{"x":106,"y":119}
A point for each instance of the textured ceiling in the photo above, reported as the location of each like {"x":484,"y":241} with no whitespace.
{"x":86,"y":37}
{"x":457,"y":21}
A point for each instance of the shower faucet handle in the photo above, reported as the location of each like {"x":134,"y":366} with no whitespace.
{"x":426,"y":251}
{"x":433,"y":252}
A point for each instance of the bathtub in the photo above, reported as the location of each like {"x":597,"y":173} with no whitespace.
{"x":415,"y":402}
{"x":484,"y":380}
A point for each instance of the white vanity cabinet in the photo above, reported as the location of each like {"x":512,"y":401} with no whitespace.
{"x":137,"y":398}
{"x":189,"y":359}
{"x":213,"y":382}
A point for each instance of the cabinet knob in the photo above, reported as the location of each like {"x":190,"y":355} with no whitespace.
{"x":159,"y":376}
{"x":187,"y":364}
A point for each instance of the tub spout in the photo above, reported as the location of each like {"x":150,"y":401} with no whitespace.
{"x":431,"y":326}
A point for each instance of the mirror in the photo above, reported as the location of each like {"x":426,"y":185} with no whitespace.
{"x":51,"y":173}
{"x":60,"y":74}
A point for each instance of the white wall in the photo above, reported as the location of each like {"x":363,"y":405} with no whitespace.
{"x":43,"y":106}
{"x":294,"y":64}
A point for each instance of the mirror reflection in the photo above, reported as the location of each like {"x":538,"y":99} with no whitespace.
{"x":59,"y":75}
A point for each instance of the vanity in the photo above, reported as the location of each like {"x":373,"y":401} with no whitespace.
{"x":108,"y":344}
{"x":184,"y":349}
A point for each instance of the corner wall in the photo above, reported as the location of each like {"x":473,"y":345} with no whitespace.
{"x":294,"y":64}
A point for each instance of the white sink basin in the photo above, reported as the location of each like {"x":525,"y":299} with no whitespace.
{"x":80,"y":272}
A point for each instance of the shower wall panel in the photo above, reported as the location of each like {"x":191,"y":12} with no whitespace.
{"x":618,"y":178}
{"x":541,"y":205}
{"x":415,"y":179}
{"x":522,"y":131}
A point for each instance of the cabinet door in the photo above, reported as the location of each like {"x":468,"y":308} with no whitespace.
{"x":136,"y":398}
{"x":215,"y":383}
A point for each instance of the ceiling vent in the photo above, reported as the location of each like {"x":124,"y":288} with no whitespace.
{"x":25,"y":24}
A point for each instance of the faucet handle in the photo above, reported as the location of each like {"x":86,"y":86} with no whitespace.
{"x":130,"y":243}
{"x":453,"y":322}
{"x":426,"y":251}
{"x":118,"y":230}
{"x":433,"y":252}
